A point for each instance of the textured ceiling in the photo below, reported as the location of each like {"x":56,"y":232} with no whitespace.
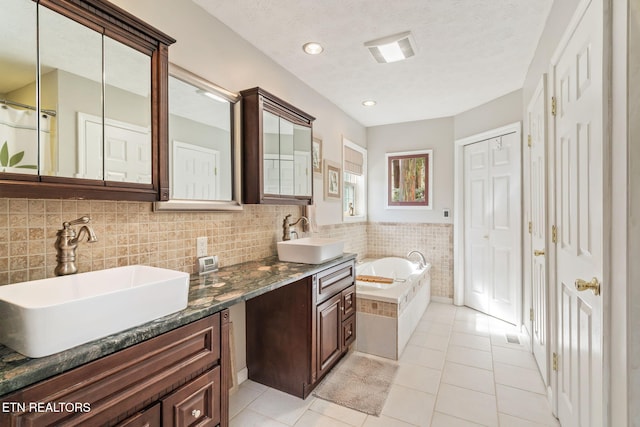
{"x":468,"y":51}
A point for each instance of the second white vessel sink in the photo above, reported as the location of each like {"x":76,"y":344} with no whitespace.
{"x":310,"y":250}
{"x":42,"y":317}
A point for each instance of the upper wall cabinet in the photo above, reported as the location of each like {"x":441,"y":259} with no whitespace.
{"x":276,"y":142}
{"x":83,"y":102}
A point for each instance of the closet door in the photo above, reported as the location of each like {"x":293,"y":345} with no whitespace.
{"x":492,"y":227}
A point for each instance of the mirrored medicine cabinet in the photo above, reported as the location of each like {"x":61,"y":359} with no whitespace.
{"x":277,"y":150}
{"x":83,"y":93}
{"x":204,"y":150}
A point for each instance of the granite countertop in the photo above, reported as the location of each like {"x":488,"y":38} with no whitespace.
{"x":208,"y":294}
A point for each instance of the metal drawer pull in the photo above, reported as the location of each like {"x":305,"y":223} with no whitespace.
{"x":538,"y":253}
{"x":196,"y":413}
{"x":583,"y":285}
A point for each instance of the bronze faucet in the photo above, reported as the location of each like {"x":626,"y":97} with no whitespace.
{"x":286,"y":226}
{"x":67,"y":242}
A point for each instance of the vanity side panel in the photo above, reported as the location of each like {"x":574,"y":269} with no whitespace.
{"x":279,"y":339}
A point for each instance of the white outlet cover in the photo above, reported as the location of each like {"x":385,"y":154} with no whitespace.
{"x":201,"y":247}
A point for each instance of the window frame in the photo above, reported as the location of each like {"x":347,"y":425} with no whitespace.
{"x":360,"y":190}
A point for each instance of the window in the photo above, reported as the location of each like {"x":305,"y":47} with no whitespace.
{"x":354,"y":165}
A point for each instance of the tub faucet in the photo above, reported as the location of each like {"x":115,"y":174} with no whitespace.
{"x":286,"y":226}
{"x":67,"y":242}
{"x":422,"y":262}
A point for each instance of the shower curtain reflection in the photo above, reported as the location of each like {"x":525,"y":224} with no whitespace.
{"x":19,"y":140}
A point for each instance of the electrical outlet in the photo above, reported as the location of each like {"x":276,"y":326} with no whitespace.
{"x":201,"y":247}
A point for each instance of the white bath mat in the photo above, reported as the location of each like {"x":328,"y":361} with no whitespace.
{"x":359,"y":382}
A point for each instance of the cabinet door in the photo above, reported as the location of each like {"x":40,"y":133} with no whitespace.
{"x":195,"y":403}
{"x":329,"y":333}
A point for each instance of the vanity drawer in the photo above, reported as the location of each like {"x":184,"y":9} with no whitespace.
{"x":348,"y":332}
{"x":334,"y":279}
{"x":195,"y":403}
{"x":348,"y":301}
{"x":148,"y":418}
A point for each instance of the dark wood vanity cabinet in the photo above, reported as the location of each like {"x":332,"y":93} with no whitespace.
{"x":297,"y":333}
{"x":176,"y":379}
{"x":276,"y":151}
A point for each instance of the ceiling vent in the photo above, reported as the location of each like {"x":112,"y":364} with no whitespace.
{"x":392,"y":48}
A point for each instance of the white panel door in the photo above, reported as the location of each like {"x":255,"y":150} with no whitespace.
{"x":476,"y":225}
{"x":539,"y":253}
{"x":579,"y":139}
{"x":194,"y":172}
{"x":126,"y":152}
{"x":492,"y":226}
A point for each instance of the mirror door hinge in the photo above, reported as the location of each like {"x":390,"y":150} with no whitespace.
{"x":554,"y":234}
{"x":553,"y":105}
{"x":530,"y":227}
{"x":555,"y":362}
{"x":531,"y":314}
{"x":529,"y":141}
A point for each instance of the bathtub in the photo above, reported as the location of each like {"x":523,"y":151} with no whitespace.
{"x":388,"y":313}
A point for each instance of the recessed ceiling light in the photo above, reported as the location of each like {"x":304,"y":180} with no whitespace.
{"x":392,"y":48}
{"x":369,"y":103}
{"x":312,"y":48}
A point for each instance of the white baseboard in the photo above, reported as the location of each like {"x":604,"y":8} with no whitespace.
{"x":242,"y":375}
{"x":443,"y":300}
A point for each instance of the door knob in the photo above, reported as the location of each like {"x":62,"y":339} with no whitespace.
{"x":196,"y":413}
{"x":538,"y":252}
{"x":583,"y":285}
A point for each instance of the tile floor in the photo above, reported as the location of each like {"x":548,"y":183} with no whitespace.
{"x":457,"y":370}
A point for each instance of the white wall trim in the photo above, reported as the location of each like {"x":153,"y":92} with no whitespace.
{"x":242,"y":375}
{"x":458,"y":203}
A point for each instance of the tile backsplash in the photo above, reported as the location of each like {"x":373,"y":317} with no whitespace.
{"x":132,"y":233}
{"x":435,"y":241}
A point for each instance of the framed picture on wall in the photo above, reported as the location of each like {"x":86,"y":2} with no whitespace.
{"x":317,"y":156}
{"x":409,"y":179}
{"x":332,"y":181}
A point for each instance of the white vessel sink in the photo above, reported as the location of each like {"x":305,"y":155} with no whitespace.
{"x":42,"y":317}
{"x":310,"y":250}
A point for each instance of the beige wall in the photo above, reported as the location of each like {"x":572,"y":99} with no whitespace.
{"x":212,"y":50}
{"x":502,"y":111}
{"x":436,"y":135}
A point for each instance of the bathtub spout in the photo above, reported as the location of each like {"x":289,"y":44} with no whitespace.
{"x":422,"y":262}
